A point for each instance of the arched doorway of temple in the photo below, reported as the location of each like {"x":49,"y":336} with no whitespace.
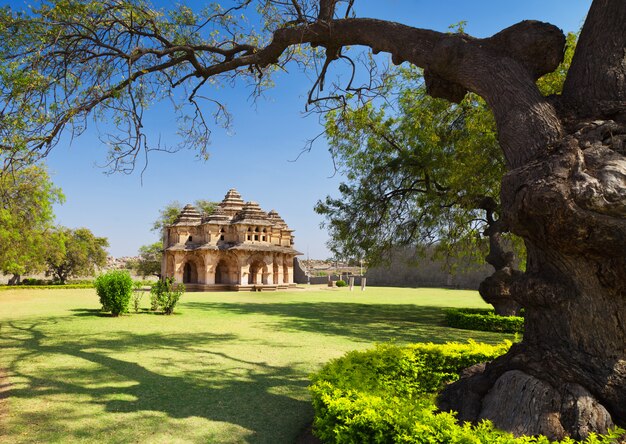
{"x":258,"y":273}
{"x":223,"y":273}
{"x":190,"y":273}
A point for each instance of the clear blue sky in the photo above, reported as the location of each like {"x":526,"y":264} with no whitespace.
{"x":255,"y":156}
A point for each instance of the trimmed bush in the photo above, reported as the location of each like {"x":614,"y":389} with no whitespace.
{"x":340,"y":283}
{"x":165,"y":294}
{"x":114,"y":289}
{"x":387,"y":395}
{"x":34,"y":281}
{"x":45,"y":287}
{"x":483,"y":319}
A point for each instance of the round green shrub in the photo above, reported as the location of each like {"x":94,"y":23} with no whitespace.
{"x":340,"y":283}
{"x":115,"y":289}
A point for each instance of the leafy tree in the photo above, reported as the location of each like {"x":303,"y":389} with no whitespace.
{"x":420,"y":171}
{"x":416,"y":168}
{"x":423,"y":171}
{"x":79,"y":252}
{"x":168,"y":214}
{"x":563,"y":191}
{"x":149,"y":261}
{"x":27,"y":197}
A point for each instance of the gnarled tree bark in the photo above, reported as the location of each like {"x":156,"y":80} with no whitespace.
{"x":15,"y":279}
{"x":569,"y":204}
{"x":496,"y":289}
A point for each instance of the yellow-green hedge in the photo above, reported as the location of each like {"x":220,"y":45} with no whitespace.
{"x":386,"y":395}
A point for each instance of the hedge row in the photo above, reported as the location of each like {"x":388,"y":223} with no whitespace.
{"x":386,"y":395}
{"x":483,"y":320}
{"x":45,"y":287}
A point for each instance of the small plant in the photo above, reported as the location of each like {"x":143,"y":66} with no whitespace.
{"x":165,"y":294}
{"x":154,"y":296}
{"x":114,"y":289}
{"x":341,"y":283}
{"x":137,"y":295}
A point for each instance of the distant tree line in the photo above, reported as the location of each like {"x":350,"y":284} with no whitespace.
{"x":30,"y":242}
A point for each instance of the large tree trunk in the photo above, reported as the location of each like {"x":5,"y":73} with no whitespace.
{"x":15,"y":279}
{"x":568,"y":375}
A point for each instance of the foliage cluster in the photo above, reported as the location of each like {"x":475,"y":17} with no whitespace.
{"x":416,"y":170}
{"x":341,"y":283}
{"x":39,"y":282}
{"x":387,"y":395}
{"x":411,"y":165}
{"x":149,"y":261}
{"x":27,"y":197}
{"x":165,"y":294}
{"x":114,"y":289}
{"x":137,"y":295}
{"x":77,"y":252}
{"x":483,"y":320}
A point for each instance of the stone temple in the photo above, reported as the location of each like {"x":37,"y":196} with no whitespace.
{"x":237,"y":247}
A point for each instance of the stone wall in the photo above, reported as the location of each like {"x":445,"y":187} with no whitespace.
{"x":426,"y":273}
{"x":299,"y":274}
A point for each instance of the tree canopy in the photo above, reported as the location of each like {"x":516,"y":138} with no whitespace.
{"x":26,"y":215}
{"x":118,"y":57}
{"x":76,"y":252}
{"x":416,"y":168}
{"x":149,"y":261}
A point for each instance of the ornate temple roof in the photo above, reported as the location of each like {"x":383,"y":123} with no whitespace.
{"x":276,"y":220}
{"x":232,"y":202}
{"x":188,"y":216}
{"x":217,"y":216}
{"x":252,"y":214}
{"x":232,"y":210}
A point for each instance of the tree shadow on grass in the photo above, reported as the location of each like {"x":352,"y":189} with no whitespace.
{"x":96,"y":312}
{"x":360,"y":322}
{"x":87,"y":312}
{"x":243,"y":393}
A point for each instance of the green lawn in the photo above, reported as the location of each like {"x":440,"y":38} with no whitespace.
{"x":227,"y":367}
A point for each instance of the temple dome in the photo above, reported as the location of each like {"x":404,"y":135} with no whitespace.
{"x":232,"y":202}
{"x":188,"y":216}
{"x":218,"y":215}
{"x":253,"y":214}
{"x":276,"y":220}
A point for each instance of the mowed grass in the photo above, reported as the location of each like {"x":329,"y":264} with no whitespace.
{"x":226,"y":368}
